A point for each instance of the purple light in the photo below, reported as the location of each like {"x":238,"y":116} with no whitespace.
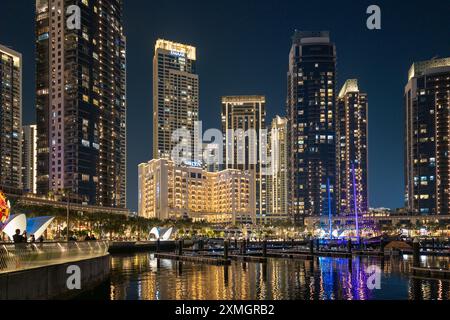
{"x":355,"y":202}
{"x":329,"y":209}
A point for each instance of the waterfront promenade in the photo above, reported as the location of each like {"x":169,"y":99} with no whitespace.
{"x":41,"y":270}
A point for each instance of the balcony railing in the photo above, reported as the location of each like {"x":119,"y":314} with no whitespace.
{"x":17,"y":257}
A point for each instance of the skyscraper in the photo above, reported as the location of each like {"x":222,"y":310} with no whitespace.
{"x":352,"y":149}
{"x":277,"y":180}
{"x":81,"y":101}
{"x":175,"y":96}
{"x":243,"y":126}
{"x":29,"y":158}
{"x":311,"y":114}
{"x":10,"y":120}
{"x":427,"y":100}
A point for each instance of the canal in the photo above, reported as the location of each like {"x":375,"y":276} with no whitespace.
{"x":141,"y":277}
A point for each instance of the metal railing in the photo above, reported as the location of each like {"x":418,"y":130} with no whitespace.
{"x":17,"y":257}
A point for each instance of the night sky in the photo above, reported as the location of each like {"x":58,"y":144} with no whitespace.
{"x":243,"y":48}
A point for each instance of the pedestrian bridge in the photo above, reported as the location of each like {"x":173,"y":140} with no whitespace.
{"x":24,"y":256}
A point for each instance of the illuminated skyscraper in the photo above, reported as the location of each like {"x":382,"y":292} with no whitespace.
{"x":277,"y":180}
{"x":352,"y":139}
{"x":175,"y":96}
{"x":81,"y":101}
{"x":427,"y":170}
{"x":10,"y":120}
{"x":311,"y":114}
{"x":243,"y":125}
{"x":29,"y":158}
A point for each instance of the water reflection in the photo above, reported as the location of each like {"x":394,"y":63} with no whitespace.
{"x":141,"y":277}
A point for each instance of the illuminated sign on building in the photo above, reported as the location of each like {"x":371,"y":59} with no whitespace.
{"x":194,"y":164}
{"x":178,"y":54}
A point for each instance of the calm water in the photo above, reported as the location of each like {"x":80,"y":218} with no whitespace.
{"x":141,"y":277}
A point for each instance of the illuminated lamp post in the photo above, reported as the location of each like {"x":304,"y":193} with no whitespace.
{"x":67,"y":194}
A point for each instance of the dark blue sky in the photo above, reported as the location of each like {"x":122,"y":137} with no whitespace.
{"x":243,"y":48}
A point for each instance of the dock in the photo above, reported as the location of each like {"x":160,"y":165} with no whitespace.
{"x":196,"y":259}
{"x":430,"y":273}
{"x":369,"y":253}
{"x":334,"y":254}
{"x":140,"y":246}
{"x":290,"y":255}
{"x":245,"y":258}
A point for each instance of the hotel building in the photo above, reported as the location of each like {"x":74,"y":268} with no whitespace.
{"x":243,"y":128}
{"x":175,"y":96}
{"x":427,"y":169}
{"x":352,"y":151}
{"x":29,"y":159}
{"x":10,"y":120}
{"x":277,"y":180}
{"x":81,"y":102}
{"x":311,"y":103}
{"x":167,"y":191}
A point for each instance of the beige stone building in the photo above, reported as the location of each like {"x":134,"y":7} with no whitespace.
{"x":167,"y":191}
{"x":277,"y":180}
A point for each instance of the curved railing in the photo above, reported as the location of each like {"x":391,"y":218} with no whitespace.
{"x":17,"y":257}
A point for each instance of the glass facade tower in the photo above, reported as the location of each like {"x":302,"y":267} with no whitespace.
{"x":427,"y":152}
{"x":352,"y":151}
{"x":175,"y":96}
{"x":10,"y":120}
{"x":311,"y":100}
{"x":81,"y":101}
{"x":243,"y":128}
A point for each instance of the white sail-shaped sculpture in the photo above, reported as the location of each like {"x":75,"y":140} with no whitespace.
{"x":37,"y":226}
{"x":161,"y":233}
{"x":15,"y":222}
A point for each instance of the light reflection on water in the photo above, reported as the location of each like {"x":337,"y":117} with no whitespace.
{"x":141,"y":277}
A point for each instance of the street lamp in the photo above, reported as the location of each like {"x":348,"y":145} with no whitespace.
{"x":67,"y":194}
